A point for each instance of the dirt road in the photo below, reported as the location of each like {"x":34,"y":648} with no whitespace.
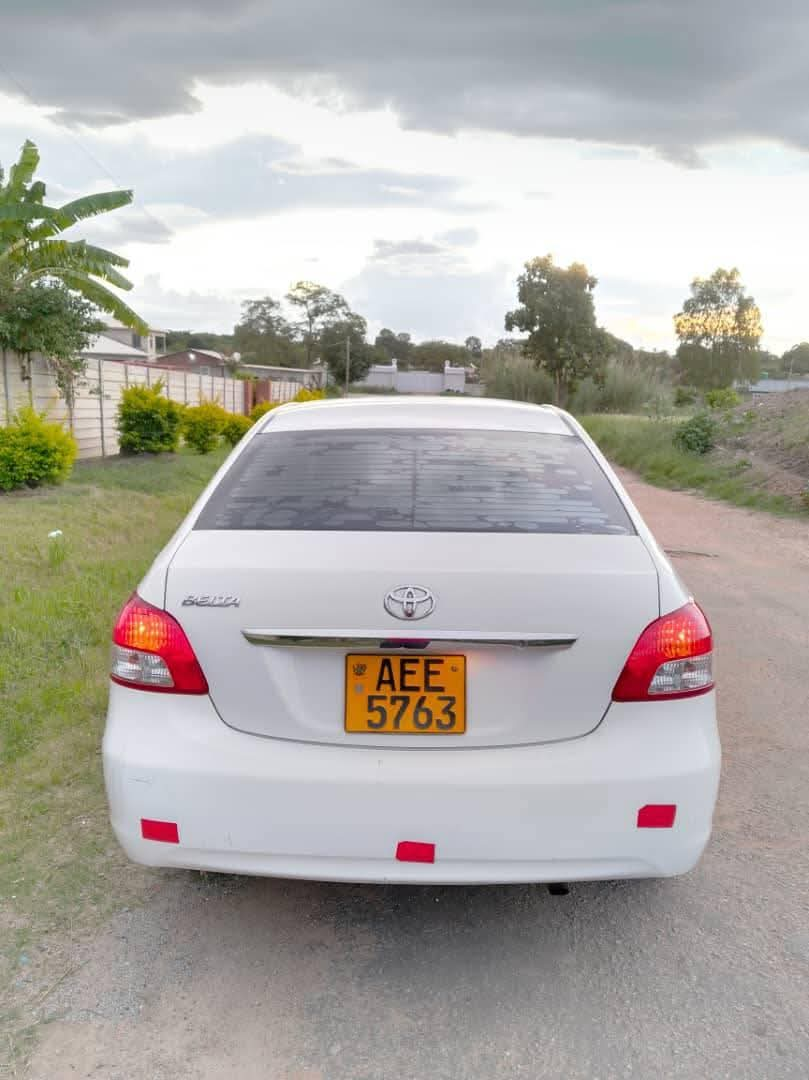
{"x":706,"y":976}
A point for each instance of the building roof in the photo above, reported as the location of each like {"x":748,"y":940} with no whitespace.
{"x":204,"y":356}
{"x":778,"y":386}
{"x":212,"y":353}
{"x":107,"y":346}
{"x":115,"y":324}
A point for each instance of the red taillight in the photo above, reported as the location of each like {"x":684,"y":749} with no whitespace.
{"x":151,"y":652}
{"x":671,"y":659}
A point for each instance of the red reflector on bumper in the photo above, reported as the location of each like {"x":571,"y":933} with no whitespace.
{"x":412,"y":851}
{"x":657,"y":816}
{"x":164,"y":831}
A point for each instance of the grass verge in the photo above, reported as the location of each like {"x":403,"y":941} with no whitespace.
{"x":59,"y":864}
{"x":646,"y":447}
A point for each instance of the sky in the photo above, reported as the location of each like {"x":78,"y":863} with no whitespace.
{"x":414,"y":156}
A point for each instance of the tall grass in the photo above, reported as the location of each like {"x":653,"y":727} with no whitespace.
{"x":518,"y":379}
{"x":627,"y":388}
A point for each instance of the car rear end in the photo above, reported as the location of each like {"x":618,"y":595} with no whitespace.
{"x":413,"y":641}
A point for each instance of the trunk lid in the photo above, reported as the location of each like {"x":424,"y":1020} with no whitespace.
{"x":600,"y":590}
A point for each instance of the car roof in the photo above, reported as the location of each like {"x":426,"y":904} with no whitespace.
{"x":418,"y":412}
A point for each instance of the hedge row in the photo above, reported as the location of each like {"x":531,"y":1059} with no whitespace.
{"x":151,"y":427}
{"x":34,"y":450}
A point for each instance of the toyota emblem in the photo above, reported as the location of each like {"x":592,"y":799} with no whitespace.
{"x":409,"y":602}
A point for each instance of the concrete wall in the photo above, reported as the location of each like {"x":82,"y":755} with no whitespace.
{"x":419,"y":382}
{"x":388,"y":377}
{"x":98,"y":394}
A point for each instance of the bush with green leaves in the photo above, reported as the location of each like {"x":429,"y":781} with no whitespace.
{"x":262,"y":408}
{"x":34,"y":451}
{"x":685,"y":395}
{"x":148,"y":421}
{"x":203,"y":426}
{"x":235,"y":428}
{"x":305,"y":394}
{"x":697,"y":435}
{"x":724,"y":398}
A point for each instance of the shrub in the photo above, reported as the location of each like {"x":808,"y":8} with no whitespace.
{"x":685,"y":395}
{"x":34,"y":451}
{"x":148,"y":421}
{"x":723,"y":398}
{"x":235,"y":428}
{"x":203,"y":426}
{"x":518,"y":379}
{"x":697,"y":435}
{"x":262,"y":408}
{"x":309,"y":395}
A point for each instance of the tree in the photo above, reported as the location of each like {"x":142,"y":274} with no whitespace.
{"x":387,"y":341}
{"x":658,"y":362}
{"x":333,"y":347}
{"x":404,"y":347}
{"x":434,"y":355}
{"x":48,"y":319}
{"x":32,"y":247}
{"x":474,"y":346}
{"x":557,"y":312}
{"x":795,"y":361}
{"x":263,"y":335}
{"x":719,"y":330}
{"x":318,"y":306}
{"x":398,"y":347}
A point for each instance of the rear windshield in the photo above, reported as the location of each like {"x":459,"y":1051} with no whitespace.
{"x":416,"y":481}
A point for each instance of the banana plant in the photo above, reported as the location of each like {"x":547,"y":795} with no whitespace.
{"x":32,"y":246}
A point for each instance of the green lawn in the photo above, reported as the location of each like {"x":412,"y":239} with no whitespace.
{"x":59,"y":864}
{"x":646,"y":447}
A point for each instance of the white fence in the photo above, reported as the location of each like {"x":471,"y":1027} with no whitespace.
{"x":96,"y":407}
{"x":388,"y":377}
{"x":283,"y":390}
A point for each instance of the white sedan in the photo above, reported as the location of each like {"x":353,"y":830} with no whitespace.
{"x":413,"y":640}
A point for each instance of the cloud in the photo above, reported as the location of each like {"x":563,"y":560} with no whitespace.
{"x":417,"y":256}
{"x":464,"y":237}
{"x":132,"y":225}
{"x":433,"y":305}
{"x":252,"y":175}
{"x":384,"y":250}
{"x":649,"y":73}
{"x":171,"y":309}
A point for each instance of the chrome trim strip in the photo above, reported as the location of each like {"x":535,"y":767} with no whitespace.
{"x":351,"y":641}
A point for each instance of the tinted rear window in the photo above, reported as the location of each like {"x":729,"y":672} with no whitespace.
{"x":416,"y":480}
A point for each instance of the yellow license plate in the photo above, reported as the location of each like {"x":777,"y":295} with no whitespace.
{"x":405,"y":694}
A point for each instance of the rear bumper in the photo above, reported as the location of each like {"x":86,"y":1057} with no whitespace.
{"x":560,"y":812}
